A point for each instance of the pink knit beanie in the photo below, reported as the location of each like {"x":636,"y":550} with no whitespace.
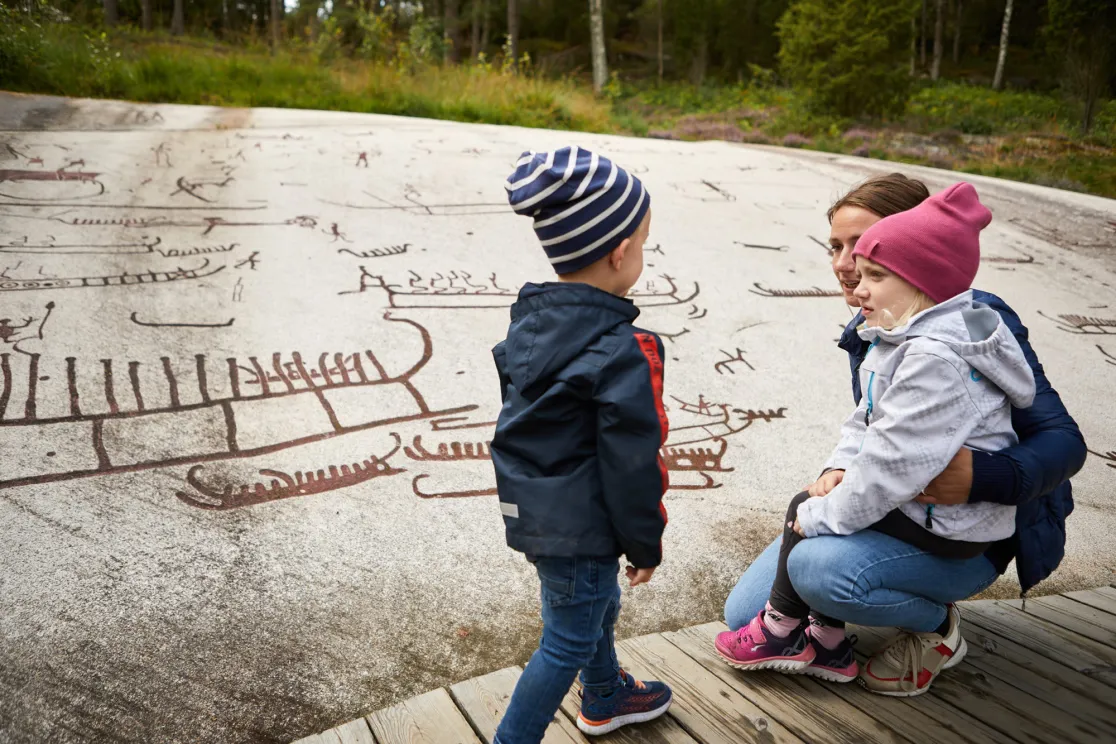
{"x":935,"y":246}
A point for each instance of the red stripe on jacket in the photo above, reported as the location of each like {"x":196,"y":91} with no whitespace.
{"x":650,"y":348}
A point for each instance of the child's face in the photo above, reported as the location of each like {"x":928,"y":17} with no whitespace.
{"x":883,"y":295}
{"x":630,"y":265}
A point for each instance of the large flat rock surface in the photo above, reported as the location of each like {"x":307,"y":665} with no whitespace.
{"x":246,"y":395}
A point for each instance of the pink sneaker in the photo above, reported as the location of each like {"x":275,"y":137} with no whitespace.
{"x":833,"y":665}
{"x":754,"y":647}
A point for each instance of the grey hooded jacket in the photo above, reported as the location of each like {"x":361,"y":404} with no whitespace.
{"x":946,"y":379}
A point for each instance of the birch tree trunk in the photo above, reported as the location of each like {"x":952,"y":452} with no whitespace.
{"x":596,"y":29}
{"x":513,"y":33}
{"x":998,"y":81}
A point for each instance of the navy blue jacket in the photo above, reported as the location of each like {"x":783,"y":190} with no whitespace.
{"x":577,"y":442}
{"x":1033,"y":475}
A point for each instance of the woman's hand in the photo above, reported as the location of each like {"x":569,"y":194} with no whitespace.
{"x":826,"y":483}
{"x":953,"y":484}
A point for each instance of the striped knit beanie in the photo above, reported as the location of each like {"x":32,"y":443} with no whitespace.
{"x":583,"y":205}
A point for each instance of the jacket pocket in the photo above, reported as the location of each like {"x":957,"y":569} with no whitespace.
{"x":556,"y":577}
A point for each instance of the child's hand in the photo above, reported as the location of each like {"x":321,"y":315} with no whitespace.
{"x":637,"y":576}
{"x":826,"y":483}
{"x":798,"y":528}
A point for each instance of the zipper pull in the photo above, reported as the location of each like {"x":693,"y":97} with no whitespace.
{"x":930,"y":517}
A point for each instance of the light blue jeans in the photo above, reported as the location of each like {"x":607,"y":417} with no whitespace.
{"x":866,"y":578}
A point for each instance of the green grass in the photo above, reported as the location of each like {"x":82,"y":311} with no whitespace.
{"x":67,"y":61}
{"x":1018,"y":135}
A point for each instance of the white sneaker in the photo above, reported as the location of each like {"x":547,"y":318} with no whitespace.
{"x":911,"y":663}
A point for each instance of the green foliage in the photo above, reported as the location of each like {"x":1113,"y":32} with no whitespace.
{"x":849,"y":57}
{"x":377,"y":40}
{"x":975,"y":109}
{"x":1079,"y":34}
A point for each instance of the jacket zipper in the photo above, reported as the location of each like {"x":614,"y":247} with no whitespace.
{"x":929,"y":523}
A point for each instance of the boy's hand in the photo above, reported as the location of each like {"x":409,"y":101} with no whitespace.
{"x":826,"y":483}
{"x":637,"y":576}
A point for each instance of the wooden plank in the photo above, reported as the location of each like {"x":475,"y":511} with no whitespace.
{"x":1096,"y":598}
{"x":710,"y":710}
{"x":804,"y":706}
{"x":1080,"y":654}
{"x":1099,"y":618}
{"x":484,"y":700}
{"x":663,"y":730}
{"x":355,"y":732}
{"x":1070,"y":622}
{"x":1008,"y":709}
{"x":326,"y":737}
{"x":1073,"y":692}
{"x":427,"y":719}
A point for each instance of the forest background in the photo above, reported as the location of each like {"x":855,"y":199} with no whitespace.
{"x":1015,"y":90}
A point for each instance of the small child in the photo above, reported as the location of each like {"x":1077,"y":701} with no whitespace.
{"x":577,"y":442}
{"x":942,"y":373}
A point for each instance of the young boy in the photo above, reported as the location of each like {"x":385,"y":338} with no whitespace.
{"x":576,"y":449}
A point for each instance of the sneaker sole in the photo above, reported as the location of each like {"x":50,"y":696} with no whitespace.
{"x":894,"y":693}
{"x":596,"y":729}
{"x":791,"y":665}
{"x":828,"y":675}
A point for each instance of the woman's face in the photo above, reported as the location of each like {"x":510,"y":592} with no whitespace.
{"x":848,"y":224}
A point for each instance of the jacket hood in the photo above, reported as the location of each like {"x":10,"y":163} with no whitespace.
{"x":552,"y":324}
{"x":977,"y":334}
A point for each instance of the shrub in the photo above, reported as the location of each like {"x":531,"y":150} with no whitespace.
{"x":848,"y":56}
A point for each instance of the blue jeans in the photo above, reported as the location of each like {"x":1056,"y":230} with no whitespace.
{"x":866,"y":578}
{"x":580,"y":602}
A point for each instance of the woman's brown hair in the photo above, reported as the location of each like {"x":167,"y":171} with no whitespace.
{"x":883,"y":195}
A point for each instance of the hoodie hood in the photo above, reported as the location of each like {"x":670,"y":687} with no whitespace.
{"x":977,"y":334}
{"x":552,"y":324}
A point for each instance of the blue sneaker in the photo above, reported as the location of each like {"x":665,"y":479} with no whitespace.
{"x":631,"y":702}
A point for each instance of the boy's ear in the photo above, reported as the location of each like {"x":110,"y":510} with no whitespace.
{"x":616,"y":258}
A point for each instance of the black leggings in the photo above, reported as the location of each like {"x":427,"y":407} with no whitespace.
{"x":785,"y":600}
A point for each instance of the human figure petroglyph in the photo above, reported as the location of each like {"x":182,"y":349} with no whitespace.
{"x":251,"y":262}
{"x":335,"y":231}
{"x":13,"y":332}
{"x":725,"y":365}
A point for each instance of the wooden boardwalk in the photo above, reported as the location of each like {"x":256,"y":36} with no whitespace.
{"x":1041,"y":673}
